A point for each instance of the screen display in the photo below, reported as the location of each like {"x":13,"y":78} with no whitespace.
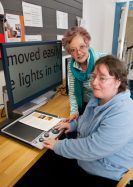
{"x":31,"y":69}
{"x":22,"y":131}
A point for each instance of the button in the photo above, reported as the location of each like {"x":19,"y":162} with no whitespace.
{"x":34,"y":141}
{"x":41,"y":139}
{"x":46,"y":134}
{"x":55,"y":131}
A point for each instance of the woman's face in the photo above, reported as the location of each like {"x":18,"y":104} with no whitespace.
{"x":103,"y":84}
{"x":79,"y":49}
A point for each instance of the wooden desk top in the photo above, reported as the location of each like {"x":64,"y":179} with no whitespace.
{"x":17,"y":158}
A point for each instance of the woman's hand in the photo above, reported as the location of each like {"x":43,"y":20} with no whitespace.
{"x":63,"y":125}
{"x":71,"y":117}
{"x":49,"y":143}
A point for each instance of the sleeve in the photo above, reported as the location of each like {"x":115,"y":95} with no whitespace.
{"x":106,"y":140}
{"x":73,"y":125}
{"x":72,"y":97}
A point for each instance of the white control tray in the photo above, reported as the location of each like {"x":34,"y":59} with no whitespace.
{"x":41,"y":127}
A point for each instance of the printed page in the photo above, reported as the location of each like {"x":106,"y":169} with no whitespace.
{"x":14,"y":28}
{"x":40,"y":121}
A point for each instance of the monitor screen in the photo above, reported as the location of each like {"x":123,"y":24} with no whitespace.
{"x":31,"y":69}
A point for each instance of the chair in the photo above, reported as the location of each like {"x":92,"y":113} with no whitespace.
{"x":125,"y":179}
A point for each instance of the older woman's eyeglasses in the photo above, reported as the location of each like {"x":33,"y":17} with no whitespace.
{"x":75,"y":50}
{"x":101,"y":79}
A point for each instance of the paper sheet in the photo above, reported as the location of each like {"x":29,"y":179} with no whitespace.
{"x":40,"y":121}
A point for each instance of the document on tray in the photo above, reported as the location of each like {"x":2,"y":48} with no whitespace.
{"x":40,"y":120}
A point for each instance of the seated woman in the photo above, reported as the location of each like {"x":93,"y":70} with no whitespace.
{"x":104,"y":144}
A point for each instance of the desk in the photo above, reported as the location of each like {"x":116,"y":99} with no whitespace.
{"x":17,"y":158}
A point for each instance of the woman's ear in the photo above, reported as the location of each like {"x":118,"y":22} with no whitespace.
{"x":118,"y":83}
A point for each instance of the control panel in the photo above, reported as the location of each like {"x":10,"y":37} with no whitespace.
{"x":52,"y":133}
{"x":34,"y":128}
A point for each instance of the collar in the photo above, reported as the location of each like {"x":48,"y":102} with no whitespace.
{"x":94,"y":102}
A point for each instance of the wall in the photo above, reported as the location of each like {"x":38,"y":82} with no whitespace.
{"x":49,"y":7}
{"x":99,"y":18}
{"x":49,"y":30}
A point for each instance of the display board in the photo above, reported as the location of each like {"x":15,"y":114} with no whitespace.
{"x":49,"y":31}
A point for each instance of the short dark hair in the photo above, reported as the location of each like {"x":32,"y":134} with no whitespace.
{"x":71,"y":33}
{"x":116,"y":68}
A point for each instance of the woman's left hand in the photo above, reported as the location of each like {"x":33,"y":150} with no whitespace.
{"x":50,"y":143}
{"x":62,"y":125}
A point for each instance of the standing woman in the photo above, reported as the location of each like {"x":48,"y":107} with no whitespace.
{"x":76,"y":42}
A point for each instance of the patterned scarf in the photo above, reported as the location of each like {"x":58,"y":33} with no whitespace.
{"x":80,"y":77}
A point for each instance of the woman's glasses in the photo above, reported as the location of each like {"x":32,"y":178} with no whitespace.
{"x":81,"y":48}
{"x":101,"y":79}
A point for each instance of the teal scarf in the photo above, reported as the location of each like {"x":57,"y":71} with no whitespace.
{"x":80,"y":77}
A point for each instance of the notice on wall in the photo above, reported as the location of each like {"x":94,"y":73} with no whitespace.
{"x":33,"y":38}
{"x":62,"y":20}
{"x":2,"y":40}
{"x":59,"y":37}
{"x":14,"y":28}
{"x":80,"y":21}
{"x":32,"y":15}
